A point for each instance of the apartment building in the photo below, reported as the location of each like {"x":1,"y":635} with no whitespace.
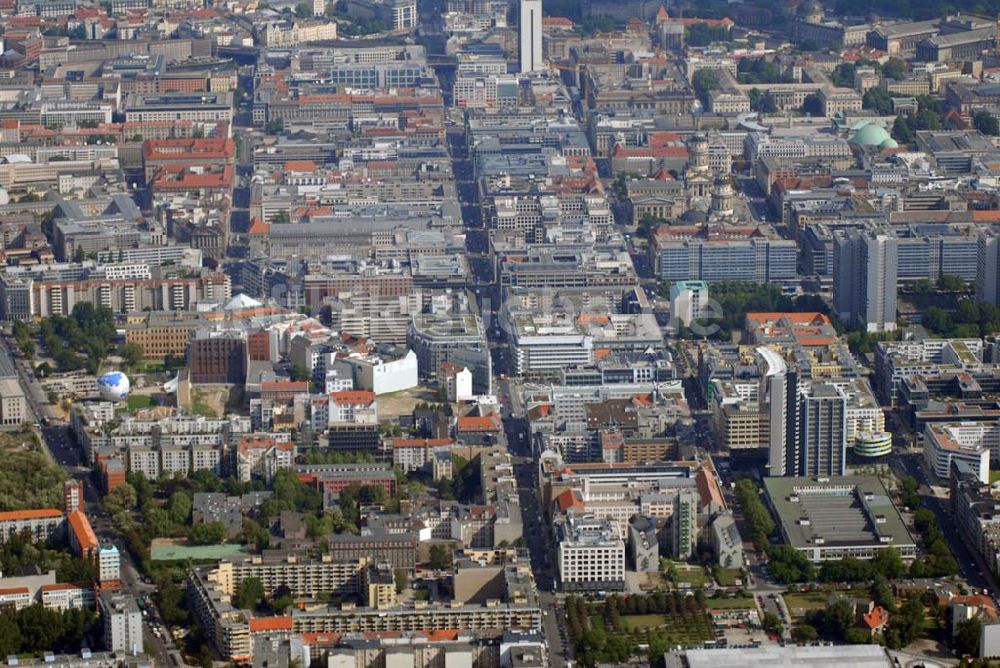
{"x":41,"y":524}
{"x":262,"y":456}
{"x":121,"y":621}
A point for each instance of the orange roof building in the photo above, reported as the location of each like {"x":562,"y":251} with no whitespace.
{"x":268,"y":624}
{"x":479,"y":423}
{"x":81,"y":535}
{"x":41,"y":524}
{"x":876,"y":620}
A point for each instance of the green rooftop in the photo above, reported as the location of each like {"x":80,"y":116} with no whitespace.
{"x":170,"y":552}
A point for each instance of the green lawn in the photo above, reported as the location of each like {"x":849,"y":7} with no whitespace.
{"x":735,"y":603}
{"x":693,"y":576}
{"x":138,"y":401}
{"x":994,"y":476}
{"x":639,"y":622}
{"x":813,"y":600}
{"x":727,"y":576}
{"x":134,"y":403}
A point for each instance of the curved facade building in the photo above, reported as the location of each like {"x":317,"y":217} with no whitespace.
{"x":873,"y":444}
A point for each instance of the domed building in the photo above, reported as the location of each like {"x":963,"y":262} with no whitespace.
{"x":723,"y":197}
{"x":697,"y":176}
{"x":873,"y":135}
{"x":811,"y":11}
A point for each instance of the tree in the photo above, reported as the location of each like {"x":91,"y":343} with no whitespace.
{"x":121,"y":498}
{"x":440,"y":557}
{"x":987,"y":123}
{"x":78,"y":255}
{"x":906,"y":625}
{"x":704,"y":81}
{"x":878,"y":100}
{"x":254,"y":534}
{"x":179,"y":507}
{"x":967,"y":637}
{"x":894,"y":68}
{"x":856,"y":636}
{"x":10,"y":636}
{"x":925,"y":119}
{"x":843,"y":75}
{"x":702,"y":34}
{"x":812,"y":105}
{"x":249,"y":594}
{"x":303,"y":11}
{"x":210,"y":533}
{"x":804,"y":633}
{"x":402,"y":579}
{"x":902,"y":131}
{"x":888,"y":563}
{"x":881,"y":592}
{"x":131,"y":354}
{"x":299,"y":373}
{"x":834,"y":620}
{"x":772,"y":623}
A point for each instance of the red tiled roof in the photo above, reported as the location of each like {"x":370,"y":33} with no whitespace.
{"x":808,"y":318}
{"x":60,"y":586}
{"x":14,"y":590}
{"x":569,"y":499}
{"x":286,"y":385}
{"x":82,"y":530}
{"x":877,"y":618}
{"x":38,"y":514}
{"x":353,"y":397}
{"x":421,"y":442}
{"x":261,"y":624}
{"x":479,"y":422}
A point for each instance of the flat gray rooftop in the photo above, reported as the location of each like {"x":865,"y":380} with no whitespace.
{"x":856,"y":656}
{"x":848,"y":510}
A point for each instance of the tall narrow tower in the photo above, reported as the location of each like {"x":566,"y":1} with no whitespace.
{"x":531,"y":35}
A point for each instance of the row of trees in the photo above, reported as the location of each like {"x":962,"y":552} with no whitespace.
{"x":38,"y":629}
{"x":970,"y":318}
{"x":756,"y":516}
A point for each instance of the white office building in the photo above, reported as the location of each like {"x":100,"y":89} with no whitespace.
{"x":591,"y":554}
{"x":966,"y":442}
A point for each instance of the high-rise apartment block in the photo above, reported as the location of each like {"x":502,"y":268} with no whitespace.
{"x":864,"y":279}
{"x":531,"y":35}
{"x":823,"y":431}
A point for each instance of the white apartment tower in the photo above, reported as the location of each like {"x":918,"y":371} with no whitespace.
{"x":531,"y":35}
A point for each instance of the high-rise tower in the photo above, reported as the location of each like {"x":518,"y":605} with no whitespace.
{"x":531,"y":35}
